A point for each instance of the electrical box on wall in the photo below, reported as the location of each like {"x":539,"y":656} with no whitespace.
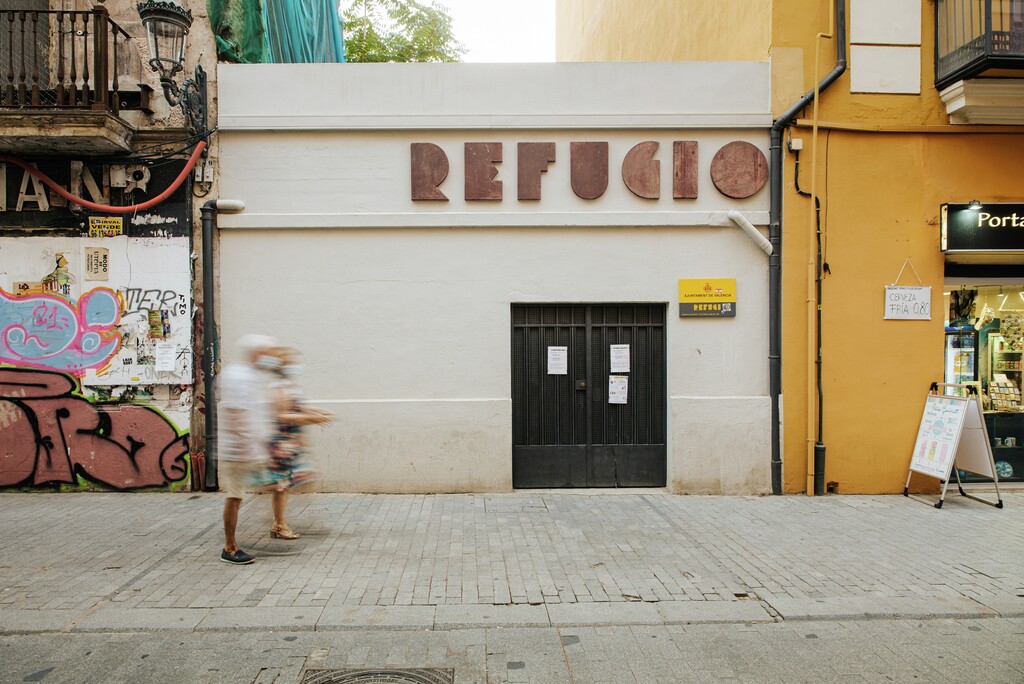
{"x":204,"y":171}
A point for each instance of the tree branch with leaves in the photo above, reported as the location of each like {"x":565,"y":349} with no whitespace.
{"x":400,"y":31}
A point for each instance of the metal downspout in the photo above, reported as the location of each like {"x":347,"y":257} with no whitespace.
{"x":209,"y":212}
{"x":775,"y":237}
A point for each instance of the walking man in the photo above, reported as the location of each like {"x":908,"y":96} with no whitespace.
{"x":243,"y":442}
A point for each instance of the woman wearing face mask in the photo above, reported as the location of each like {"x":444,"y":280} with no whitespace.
{"x":288,"y":467}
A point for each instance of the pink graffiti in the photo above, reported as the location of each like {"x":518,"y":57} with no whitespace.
{"x":48,"y":332}
{"x":51,"y":435}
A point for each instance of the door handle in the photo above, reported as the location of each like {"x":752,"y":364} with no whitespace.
{"x":581,"y":384}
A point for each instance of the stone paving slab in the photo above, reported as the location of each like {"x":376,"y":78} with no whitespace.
{"x":290,"y":619}
{"x":26,"y":621}
{"x":461,"y":617}
{"x":112,"y":618}
{"x":377,"y":617}
{"x":1006,"y":606}
{"x":880,"y":607}
{"x":695,"y":612}
{"x":571,"y":614}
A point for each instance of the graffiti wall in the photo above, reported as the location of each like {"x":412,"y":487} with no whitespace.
{"x":95,"y":361}
{"x":53,"y":436}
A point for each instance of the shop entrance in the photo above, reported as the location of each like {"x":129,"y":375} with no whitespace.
{"x":985,"y":348}
{"x":566,"y":430}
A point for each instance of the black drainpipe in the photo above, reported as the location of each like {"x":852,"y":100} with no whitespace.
{"x":775,"y":236}
{"x":209,"y":213}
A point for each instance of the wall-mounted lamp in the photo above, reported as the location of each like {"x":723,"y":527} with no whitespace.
{"x":974,"y":204}
{"x":167,"y":25}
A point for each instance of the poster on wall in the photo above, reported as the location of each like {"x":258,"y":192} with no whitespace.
{"x":97,"y":308}
{"x":558,"y":360}
{"x":619,"y":354}
{"x":618,"y":389}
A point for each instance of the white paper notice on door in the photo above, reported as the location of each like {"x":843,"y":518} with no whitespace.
{"x":558,"y":360}
{"x":620,"y":358}
{"x":618,"y":388}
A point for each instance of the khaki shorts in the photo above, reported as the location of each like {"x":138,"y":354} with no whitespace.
{"x":237,"y":478}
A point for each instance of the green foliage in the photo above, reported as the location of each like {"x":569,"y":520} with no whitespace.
{"x":400,"y":31}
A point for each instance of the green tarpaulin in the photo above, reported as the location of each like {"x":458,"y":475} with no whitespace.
{"x":277,"y":31}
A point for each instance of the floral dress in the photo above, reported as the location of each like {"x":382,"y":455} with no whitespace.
{"x":288,"y":465}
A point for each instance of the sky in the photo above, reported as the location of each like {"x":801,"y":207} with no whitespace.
{"x":504,"y":30}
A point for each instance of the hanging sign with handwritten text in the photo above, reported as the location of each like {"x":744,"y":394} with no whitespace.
{"x":904,"y":303}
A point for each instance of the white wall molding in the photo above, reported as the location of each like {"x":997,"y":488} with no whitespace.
{"x":595,"y":219}
{"x":489,"y":96}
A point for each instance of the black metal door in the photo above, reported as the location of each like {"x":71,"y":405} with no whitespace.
{"x":565,"y":433}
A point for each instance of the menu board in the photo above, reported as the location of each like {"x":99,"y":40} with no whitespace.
{"x":939,"y":435}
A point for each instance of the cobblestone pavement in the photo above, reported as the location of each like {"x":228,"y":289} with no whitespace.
{"x":529,"y":586}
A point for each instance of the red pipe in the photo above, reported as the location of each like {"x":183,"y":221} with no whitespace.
{"x":200,"y":146}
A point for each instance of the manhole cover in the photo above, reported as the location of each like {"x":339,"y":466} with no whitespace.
{"x":426,"y":675}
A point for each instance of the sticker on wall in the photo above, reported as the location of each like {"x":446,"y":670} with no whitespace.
{"x":159,"y":323}
{"x":707,"y":297}
{"x":26,"y":289}
{"x":558,"y":360}
{"x":619,"y":358}
{"x":618,"y":389}
{"x":106,"y":226}
{"x":97,"y":263}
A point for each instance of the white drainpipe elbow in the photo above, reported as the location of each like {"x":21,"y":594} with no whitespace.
{"x":754,"y":234}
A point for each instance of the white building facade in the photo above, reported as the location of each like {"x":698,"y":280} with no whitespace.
{"x":508,"y":276}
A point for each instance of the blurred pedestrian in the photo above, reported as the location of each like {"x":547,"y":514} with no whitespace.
{"x":245,"y":426}
{"x":289,"y":467}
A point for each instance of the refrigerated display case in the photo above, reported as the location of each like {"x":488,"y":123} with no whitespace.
{"x":961,"y":355}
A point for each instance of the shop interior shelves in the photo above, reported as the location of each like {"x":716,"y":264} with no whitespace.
{"x":1009,"y":459}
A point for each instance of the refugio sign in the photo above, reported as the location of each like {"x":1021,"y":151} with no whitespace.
{"x":905,"y":303}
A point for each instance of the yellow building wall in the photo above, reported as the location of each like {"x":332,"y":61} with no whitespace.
{"x":661,"y":30}
{"x":880,"y":195}
{"x":885,"y":163}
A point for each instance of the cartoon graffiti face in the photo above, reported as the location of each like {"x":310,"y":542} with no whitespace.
{"x":49,"y":332}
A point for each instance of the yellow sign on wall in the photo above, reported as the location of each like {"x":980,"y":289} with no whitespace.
{"x":106,"y":226}
{"x":715,"y":297}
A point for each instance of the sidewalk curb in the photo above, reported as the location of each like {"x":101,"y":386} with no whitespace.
{"x":481,"y":616}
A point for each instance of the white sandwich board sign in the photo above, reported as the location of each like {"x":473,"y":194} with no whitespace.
{"x":951,"y":438}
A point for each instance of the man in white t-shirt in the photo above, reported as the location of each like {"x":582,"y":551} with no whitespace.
{"x":244,"y":431}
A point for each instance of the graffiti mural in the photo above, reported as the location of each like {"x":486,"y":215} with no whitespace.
{"x":48,"y":331}
{"x":52,"y":435}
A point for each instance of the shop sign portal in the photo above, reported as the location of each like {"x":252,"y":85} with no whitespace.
{"x":738,"y":170}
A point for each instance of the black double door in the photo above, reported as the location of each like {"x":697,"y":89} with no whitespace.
{"x":567,"y":431}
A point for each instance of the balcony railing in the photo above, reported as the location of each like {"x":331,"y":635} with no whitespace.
{"x":973,"y":36}
{"x":66,"y":60}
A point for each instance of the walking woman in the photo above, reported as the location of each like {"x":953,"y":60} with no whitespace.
{"x":288,"y":465}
